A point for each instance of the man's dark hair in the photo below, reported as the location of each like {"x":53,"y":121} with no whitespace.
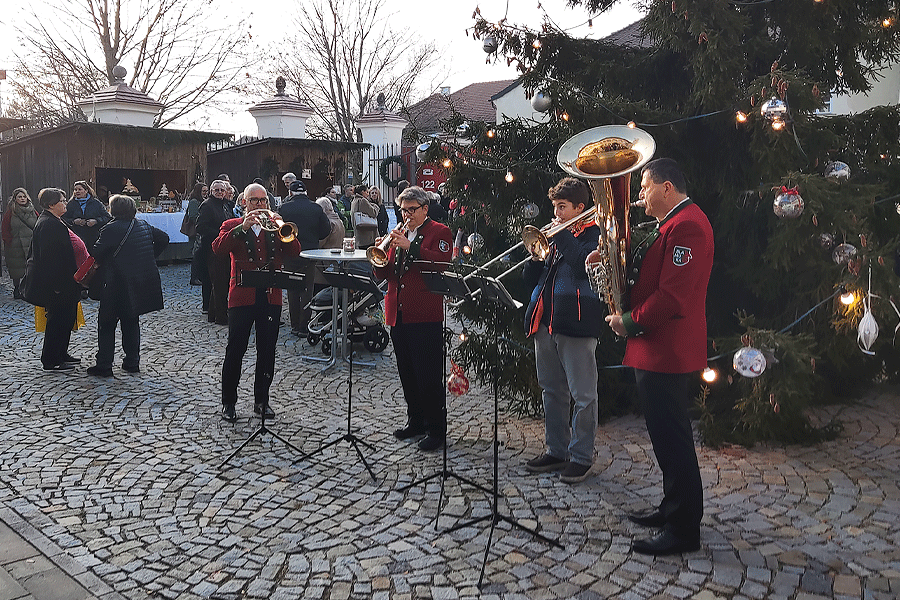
{"x":570,"y":189}
{"x":224,"y":177}
{"x":402,"y":185}
{"x":122,"y":207}
{"x":47,"y":197}
{"x":358,"y":190}
{"x":662,"y":170}
{"x":259,"y":181}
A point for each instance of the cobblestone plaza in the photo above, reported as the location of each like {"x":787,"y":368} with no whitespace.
{"x":114,"y":485}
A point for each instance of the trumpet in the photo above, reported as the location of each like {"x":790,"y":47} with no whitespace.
{"x":377,"y":255}
{"x":271,"y":221}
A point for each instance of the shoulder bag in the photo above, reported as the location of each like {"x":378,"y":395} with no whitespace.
{"x":89,"y":268}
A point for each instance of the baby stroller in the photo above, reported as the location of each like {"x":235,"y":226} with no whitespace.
{"x":366,"y":315}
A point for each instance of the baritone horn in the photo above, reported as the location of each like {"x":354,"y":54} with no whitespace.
{"x":606,"y":156}
{"x":271,"y":221}
{"x":377,"y":255}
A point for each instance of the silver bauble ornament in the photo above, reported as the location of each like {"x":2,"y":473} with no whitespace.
{"x":749,"y":362}
{"x":826,"y":240}
{"x":788,"y":204}
{"x":422,"y":150}
{"x":837,"y":171}
{"x":774,"y":109}
{"x":462,"y":130}
{"x":843,"y":253}
{"x":476,"y":242}
{"x":541,"y":102}
{"x":530,"y":211}
{"x":867,"y":332}
{"x":489,"y":44}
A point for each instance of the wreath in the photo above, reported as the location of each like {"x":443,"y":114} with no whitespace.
{"x":385,"y":165}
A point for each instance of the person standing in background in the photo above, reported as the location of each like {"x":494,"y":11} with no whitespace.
{"x":19,"y":220}
{"x":85,"y":215}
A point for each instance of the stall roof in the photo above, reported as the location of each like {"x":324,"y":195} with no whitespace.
{"x":6,"y":123}
{"x":161,"y":133}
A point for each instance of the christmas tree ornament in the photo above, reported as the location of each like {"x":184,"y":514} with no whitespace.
{"x":788,"y":203}
{"x":826,"y":240}
{"x":541,"y":102}
{"x":530,"y":211}
{"x":843,"y":254}
{"x":774,"y":110}
{"x":462,"y":130}
{"x":837,"y":171}
{"x":457,"y":383}
{"x":475,"y":242}
{"x":749,"y":362}
{"x":489,"y":44}
{"x":867,"y":332}
{"x":422,"y":150}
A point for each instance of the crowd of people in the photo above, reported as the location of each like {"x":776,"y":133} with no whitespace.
{"x":664,"y":322}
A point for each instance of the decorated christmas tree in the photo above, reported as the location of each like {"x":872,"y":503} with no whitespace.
{"x":803,"y":202}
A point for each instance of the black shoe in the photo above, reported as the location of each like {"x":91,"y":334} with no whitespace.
{"x":666,"y":543}
{"x":17,"y":295}
{"x":196,"y":282}
{"x":229,"y":414}
{"x":574,"y":473}
{"x":431,"y":442}
{"x":410,"y":431}
{"x":544,"y":463}
{"x":204,"y":311}
{"x":66,"y":366}
{"x":258,"y":409}
{"x":653,"y":518}
{"x":132,"y":369}
{"x":72,"y":359}
{"x":100,"y":371}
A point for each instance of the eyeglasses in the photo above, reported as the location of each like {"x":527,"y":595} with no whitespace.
{"x":409,"y":211}
{"x":214,"y":190}
{"x":257,"y":200}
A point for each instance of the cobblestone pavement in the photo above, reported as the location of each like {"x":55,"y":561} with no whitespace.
{"x":118,"y":480}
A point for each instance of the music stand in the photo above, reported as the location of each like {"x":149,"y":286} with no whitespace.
{"x":493,"y":291}
{"x":358,"y":282}
{"x":259,"y":279}
{"x":450,"y":285}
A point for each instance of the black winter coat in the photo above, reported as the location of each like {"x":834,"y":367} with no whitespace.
{"x":51,"y":265}
{"x":93,"y":209}
{"x":312,"y":224}
{"x":130,"y":284}
{"x":213,"y":212}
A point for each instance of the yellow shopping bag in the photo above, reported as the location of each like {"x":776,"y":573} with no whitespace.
{"x":40,"y":318}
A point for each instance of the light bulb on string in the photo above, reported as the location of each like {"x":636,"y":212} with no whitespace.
{"x":464,"y":335}
{"x":777,"y":124}
{"x":632,"y":124}
{"x":536,"y":44}
{"x":467,"y":250}
{"x":564,"y":116}
{"x":447,"y":163}
{"x":709,"y":375}
{"x":490,"y":133}
{"x":848,"y":298}
{"x":741,"y":116}
{"x":887,"y":22}
{"x":509,"y":177}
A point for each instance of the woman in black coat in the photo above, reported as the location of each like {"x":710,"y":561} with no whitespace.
{"x":129,"y":287}
{"x":85,"y":215}
{"x":53,"y":258}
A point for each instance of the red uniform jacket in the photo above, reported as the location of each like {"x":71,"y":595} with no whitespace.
{"x":667,"y":322}
{"x":407,"y":292}
{"x":269,"y":249}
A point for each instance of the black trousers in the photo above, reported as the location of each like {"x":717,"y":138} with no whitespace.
{"x":299,"y":299}
{"x":241,"y":319}
{"x":419,"y":350}
{"x":665,"y":397}
{"x":60,"y":320}
{"x":219,"y":268}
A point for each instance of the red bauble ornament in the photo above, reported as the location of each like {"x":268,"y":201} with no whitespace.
{"x":457,"y":383}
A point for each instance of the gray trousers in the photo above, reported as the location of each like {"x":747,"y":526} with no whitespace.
{"x":567,"y":372}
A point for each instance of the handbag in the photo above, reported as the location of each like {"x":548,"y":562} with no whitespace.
{"x":89,"y":268}
{"x":188,"y":226}
{"x":365,"y":221}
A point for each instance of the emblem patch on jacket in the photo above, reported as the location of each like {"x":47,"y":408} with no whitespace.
{"x":681,"y":256}
{"x":443,"y":246}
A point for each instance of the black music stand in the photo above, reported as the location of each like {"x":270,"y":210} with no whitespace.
{"x":450,"y":285}
{"x":351,"y":281}
{"x":493,"y":291}
{"x":260,"y":279}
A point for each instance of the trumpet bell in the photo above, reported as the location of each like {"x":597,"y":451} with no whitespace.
{"x":288,"y":232}
{"x":606,"y":151}
{"x":376,"y":256}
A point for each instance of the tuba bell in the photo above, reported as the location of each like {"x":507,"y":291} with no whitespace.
{"x":606,"y":156}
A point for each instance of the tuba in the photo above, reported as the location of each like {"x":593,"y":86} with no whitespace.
{"x":606,"y":156}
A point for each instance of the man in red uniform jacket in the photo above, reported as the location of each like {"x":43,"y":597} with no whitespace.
{"x":416,"y":317}
{"x":666,"y":331}
{"x":251,"y":248}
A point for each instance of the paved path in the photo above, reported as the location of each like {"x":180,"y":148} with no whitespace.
{"x":110,"y":488}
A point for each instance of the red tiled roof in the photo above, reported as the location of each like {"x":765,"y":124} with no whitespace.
{"x":472,"y":101}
